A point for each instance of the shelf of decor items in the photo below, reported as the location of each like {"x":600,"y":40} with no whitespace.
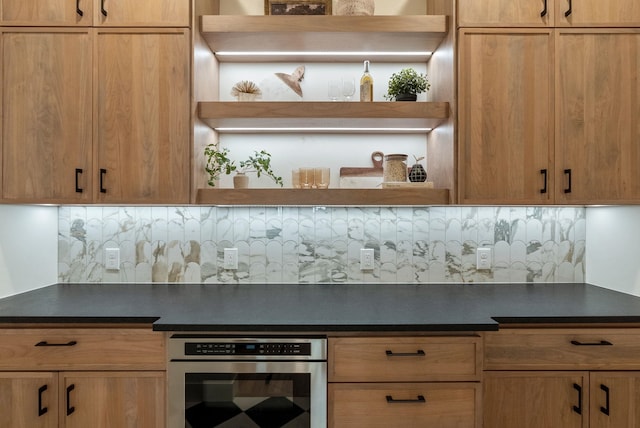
{"x":322,"y":33}
{"x":296,"y":38}
{"x":323,"y":197}
{"x":324,"y":114}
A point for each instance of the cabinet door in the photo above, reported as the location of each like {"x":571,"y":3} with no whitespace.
{"x":505,"y":13}
{"x":590,"y":13}
{"x":112,"y":399}
{"x":505,"y":116}
{"x":536,"y":399}
{"x":46,"y":120}
{"x":142,"y":116}
{"x":598,"y":106}
{"x":142,"y":13}
{"x":47,"y":12}
{"x":615,"y":399}
{"x":28,"y":400}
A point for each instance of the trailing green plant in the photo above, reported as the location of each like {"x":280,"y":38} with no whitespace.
{"x":218,"y":162}
{"x":406,"y":81}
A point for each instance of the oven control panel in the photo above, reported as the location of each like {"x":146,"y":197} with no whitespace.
{"x":251,"y":348}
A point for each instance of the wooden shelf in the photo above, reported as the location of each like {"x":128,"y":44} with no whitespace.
{"x":323,"y":115}
{"x":327,"y":33}
{"x":327,"y":197}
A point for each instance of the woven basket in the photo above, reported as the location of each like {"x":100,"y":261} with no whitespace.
{"x":355,"y":7}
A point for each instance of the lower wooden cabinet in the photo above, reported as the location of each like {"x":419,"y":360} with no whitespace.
{"x":82,"y":377}
{"x":421,"y":381}
{"x":82,"y":399}
{"x":568,"y":378}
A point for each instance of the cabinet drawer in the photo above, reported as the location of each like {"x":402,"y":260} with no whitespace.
{"x":403,"y":405}
{"x":81,"y":349}
{"x":558,"y":349}
{"x":402,"y":359}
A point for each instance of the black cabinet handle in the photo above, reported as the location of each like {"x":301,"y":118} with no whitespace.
{"x":418,"y":399}
{"x":418,"y":353}
{"x":601,"y":343}
{"x":578,"y":408}
{"x":41,"y":410}
{"x":544,"y":174}
{"x":78,"y":174}
{"x":605,"y":409}
{"x":45,"y":343}
{"x":70,"y":409}
{"x":567,"y":172}
{"x":103,"y":172}
{"x":544,"y":11}
{"x":78,"y":10}
{"x":570,"y":10}
{"x":102,"y":9}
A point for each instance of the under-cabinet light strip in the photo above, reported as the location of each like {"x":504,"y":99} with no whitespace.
{"x":331,"y":54}
{"x":303,"y":129}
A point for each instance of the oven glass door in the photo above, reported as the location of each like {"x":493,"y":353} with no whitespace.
{"x":247,"y":395}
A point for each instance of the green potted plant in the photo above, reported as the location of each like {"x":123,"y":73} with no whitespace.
{"x":406,"y":84}
{"x":218,"y":162}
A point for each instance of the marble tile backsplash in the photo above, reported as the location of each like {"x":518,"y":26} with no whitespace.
{"x":322,"y":245}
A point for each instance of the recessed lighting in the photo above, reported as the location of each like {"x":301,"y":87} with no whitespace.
{"x":314,"y":129}
{"x":326,"y":54}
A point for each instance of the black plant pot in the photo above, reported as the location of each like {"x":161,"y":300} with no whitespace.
{"x":406,"y":97}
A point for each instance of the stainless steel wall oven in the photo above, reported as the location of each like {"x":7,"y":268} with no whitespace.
{"x":247,"y":382}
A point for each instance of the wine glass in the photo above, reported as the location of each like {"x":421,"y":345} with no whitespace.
{"x":348,"y":88}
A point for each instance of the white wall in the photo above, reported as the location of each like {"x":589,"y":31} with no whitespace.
{"x":613,"y":248}
{"x":28,"y":248}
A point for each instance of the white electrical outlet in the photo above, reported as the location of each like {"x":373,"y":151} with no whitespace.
{"x":112,"y":258}
{"x":367,"y":259}
{"x":483,"y":258}
{"x":231,"y":258}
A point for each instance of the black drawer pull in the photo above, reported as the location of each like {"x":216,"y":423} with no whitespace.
{"x":578,"y":408}
{"x":45,"y":343}
{"x":544,"y":174}
{"x":544,"y":11}
{"x":70,"y":409}
{"x":102,"y":9}
{"x":418,"y":399}
{"x":569,"y":11}
{"x":418,"y":353}
{"x":567,"y":172}
{"x":601,"y":343}
{"x":78,"y":10}
{"x":605,"y":409}
{"x":41,"y":410}
{"x":78,"y":174}
{"x":103,"y":172}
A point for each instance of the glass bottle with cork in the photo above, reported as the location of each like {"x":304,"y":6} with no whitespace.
{"x":366,"y":84}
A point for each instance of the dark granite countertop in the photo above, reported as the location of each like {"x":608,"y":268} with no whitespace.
{"x":321,"y":308}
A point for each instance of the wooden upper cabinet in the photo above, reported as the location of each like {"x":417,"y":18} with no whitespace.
{"x":141,"y":13}
{"x":505,"y":13}
{"x":597,"y":13}
{"x":505,"y":116}
{"x":46,"y":121}
{"x":141,"y":116}
{"x":47,"y":12}
{"x":598,"y":106}
{"x":109,"y":13}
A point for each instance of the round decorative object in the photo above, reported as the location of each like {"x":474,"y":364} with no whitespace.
{"x":355,"y":7}
{"x":417,"y":174}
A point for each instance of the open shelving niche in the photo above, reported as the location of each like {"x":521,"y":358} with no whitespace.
{"x":416,"y":33}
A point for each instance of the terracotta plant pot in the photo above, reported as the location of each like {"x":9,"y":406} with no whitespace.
{"x":240,"y":181}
